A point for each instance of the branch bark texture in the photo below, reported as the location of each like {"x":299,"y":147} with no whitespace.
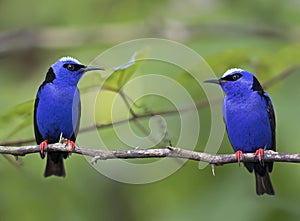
{"x":170,"y":152}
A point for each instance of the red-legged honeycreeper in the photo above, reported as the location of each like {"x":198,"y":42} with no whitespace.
{"x":57,"y":110}
{"x":250,"y":122}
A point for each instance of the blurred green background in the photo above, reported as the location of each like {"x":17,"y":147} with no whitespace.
{"x":261,"y":36}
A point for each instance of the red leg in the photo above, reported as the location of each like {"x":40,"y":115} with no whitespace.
{"x":260,"y":154}
{"x":43,"y":145}
{"x":239,"y":154}
{"x":72,"y":146}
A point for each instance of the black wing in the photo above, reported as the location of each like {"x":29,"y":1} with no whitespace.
{"x":271,"y":113}
{"x":257,"y":87}
{"x":38,"y":136}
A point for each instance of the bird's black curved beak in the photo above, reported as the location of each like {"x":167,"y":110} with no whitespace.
{"x":213,"y":81}
{"x":91,"y":68}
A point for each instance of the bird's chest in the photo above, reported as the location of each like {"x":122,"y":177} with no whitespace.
{"x":244,"y":110}
{"x":57,"y":112}
{"x":247,"y":122}
{"x":58,"y":101}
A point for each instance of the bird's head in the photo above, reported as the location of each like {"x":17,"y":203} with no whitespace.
{"x":68,"y":71}
{"x":237,"y":81}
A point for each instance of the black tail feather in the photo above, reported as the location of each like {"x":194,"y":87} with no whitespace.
{"x":55,"y":164}
{"x":262,"y":178}
{"x":263,"y":184}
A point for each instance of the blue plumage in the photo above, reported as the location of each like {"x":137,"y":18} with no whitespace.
{"x":250,"y":121}
{"x":57,"y":109}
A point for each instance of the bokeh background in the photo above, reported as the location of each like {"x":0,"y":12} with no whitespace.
{"x":261,"y":36}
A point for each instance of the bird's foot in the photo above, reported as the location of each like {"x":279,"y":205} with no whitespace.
{"x":72,"y":146}
{"x":43,"y":145}
{"x":259,"y":153}
{"x":239,"y":154}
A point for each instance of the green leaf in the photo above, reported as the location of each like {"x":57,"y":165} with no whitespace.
{"x":123,"y":73}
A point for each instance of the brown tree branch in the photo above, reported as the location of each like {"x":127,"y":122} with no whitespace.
{"x":170,"y":152}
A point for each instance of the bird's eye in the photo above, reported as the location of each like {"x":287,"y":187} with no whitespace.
{"x":233,"y":77}
{"x":236,"y":77}
{"x":73,"y":67}
{"x":70,"y":67}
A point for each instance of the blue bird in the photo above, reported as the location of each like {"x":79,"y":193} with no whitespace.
{"x":250,"y":122}
{"x":57,"y":110}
